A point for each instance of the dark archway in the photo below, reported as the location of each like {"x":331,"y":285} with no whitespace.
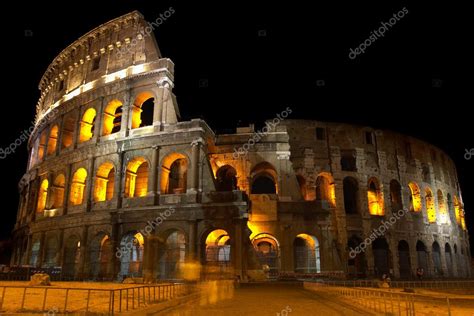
{"x":404,"y":259}
{"x":381,"y":256}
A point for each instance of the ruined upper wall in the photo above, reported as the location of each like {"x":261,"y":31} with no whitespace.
{"x":111,"y":47}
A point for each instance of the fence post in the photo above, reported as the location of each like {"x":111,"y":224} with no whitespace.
{"x":65,"y":301}
{"x":449,"y":306}
{"x":88,"y":298}
{"x":23,"y":299}
{"x":44,"y":299}
{"x":120,"y":304}
{"x":4,"y":289}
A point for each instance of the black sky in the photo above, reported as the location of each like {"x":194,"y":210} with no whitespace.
{"x":238,"y":63}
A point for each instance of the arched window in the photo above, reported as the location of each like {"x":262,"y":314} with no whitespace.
{"x":415,"y":197}
{"x":430,"y":206}
{"x":226,"y":178}
{"x":302,"y":184}
{"x":142,"y":110}
{"x":42,"y":145}
{"x":35,"y":251}
{"x":263,"y":179}
{"x":68,"y":130}
{"x":422,"y":256}
{"x":325,"y":189}
{"x":443,"y":212}
{"x":42,"y":196}
{"x":396,"y":195}
{"x":77,"y":186}
{"x":307,"y":254}
{"x":132,"y":246}
{"x":375,"y":198}
{"x":449,"y":259}
{"x":404,"y":259}
{"x":136,"y":179}
{"x":173,"y":255}
{"x":87,"y":125}
{"x":53,"y":140}
{"x":174,"y":174}
{"x":218,"y":248}
{"x":382,"y":255}
{"x":436,"y":254}
{"x":58,"y":191}
{"x":104,"y":182}
{"x":112,"y":117}
{"x":457,"y":210}
{"x":350,"y":189}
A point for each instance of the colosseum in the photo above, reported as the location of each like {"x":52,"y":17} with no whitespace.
{"x":117,"y":185}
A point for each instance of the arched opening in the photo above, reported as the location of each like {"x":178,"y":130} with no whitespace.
{"x":101,"y":256}
{"x":306,"y":254}
{"x":174,"y":174}
{"x":303,"y":188}
{"x":381,"y":253}
{"x":422,"y":256}
{"x":67,"y":133}
{"x":375,"y":198}
{"x":268,"y":252}
{"x":226,"y":178}
{"x":136,"y":178}
{"x":436,"y":254}
{"x":173,"y":255}
{"x":35,"y":250}
{"x":218,"y":250}
{"x":59,"y":185}
{"x":457,"y":210}
{"x":415,"y":197}
{"x":42,"y":145}
{"x":404,"y":259}
{"x":263,"y":177}
{"x":112,"y":118}
{"x":77,"y":186}
{"x":72,"y":256}
{"x":350,"y":189}
{"x":325,"y":190}
{"x":142,"y":110}
{"x":42,"y":196}
{"x":87,"y":125}
{"x":458,"y":258}
{"x":51,"y":252}
{"x":357,"y":265}
{"x":131,"y":258}
{"x":442,"y":208}
{"x":430,"y":206}
{"x":449,"y":259}
{"x":104,"y":182}
{"x":53,"y":140}
{"x":396,"y":195}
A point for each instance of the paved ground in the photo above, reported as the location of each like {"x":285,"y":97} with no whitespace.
{"x":268,"y":300}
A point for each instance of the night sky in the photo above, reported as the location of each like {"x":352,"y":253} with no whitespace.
{"x":243,"y":63}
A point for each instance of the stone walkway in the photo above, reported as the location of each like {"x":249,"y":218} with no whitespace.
{"x":271,"y":299}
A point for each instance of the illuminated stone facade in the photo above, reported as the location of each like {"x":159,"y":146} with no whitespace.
{"x":118,"y":186}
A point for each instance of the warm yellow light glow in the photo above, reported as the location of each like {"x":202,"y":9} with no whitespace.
{"x":77,"y":186}
{"x":463,"y":220}
{"x":173,"y":174}
{"x":104,"y":182}
{"x":415,"y":197}
{"x":42,"y":145}
{"x":310,"y":240}
{"x":430,"y":206}
{"x":68,"y":130}
{"x":137,"y":108}
{"x":110,"y":115}
{"x":87,"y":125}
{"x":457,"y":210}
{"x":442,"y":210}
{"x":53,"y":140}
{"x":58,"y":191}
{"x":140,"y":239}
{"x":42,"y":196}
{"x":375,"y":199}
{"x":217,"y":237}
{"x":136,"y":179}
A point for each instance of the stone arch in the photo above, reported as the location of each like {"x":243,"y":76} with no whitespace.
{"x":104,"y":182}
{"x":52,"y":140}
{"x":375,"y":197}
{"x":325,"y":189}
{"x":357,"y":263}
{"x":263,"y":179}
{"x":430,"y":205}
{"x":381,"y":252}
{"x":78,"y":185}
{"x":436,"y":256}
{"x":350,"y":188}
{"x":42,"y":196}
{"x":131,"y":254}
{"x":87,"y":125}
{"x":415,"y":197}
{"x":136,"y":177}
{"x":101,"y":255}
{"x":68,"y":128}
{"x":422,"y":256}
{"x":217,"y":253}
{"x":267,"y":249}
{"x":303,"y":187}
{"x":449,"y":259}
{"x":35,"y":253}
{"x":226,"y":178}
{"x":72,"y":256}
{"x":404,"y":261}
{"x":41,"y":145}
{"x":306,"y":252}
{"x":112,"y":117}
{"x":442,"y":208}
{"x":59,"y":184}
{"x":142,"y":109}
{"x":51,"y":251}
{"x":172,"y":254}
{"x":396,"y":195}
{"x":174,"y":173}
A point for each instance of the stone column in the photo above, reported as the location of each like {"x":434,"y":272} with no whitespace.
{"x":61,"y":246}
{"x":67,"y":189}
{"x":89,"y":184}
{"x":42,"y":250}
{"x":149,"y":258}
{"x":60,"y":136}
{"x":126,"y":122}
{"x":191,"y":254}
{"x":153,"y":188}
{"x":159,"y":114}
{"x":193,"y":184}
{"x":84,"y":254}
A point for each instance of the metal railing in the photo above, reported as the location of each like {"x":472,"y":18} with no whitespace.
{"x":433,"y":284}
{"x":110,"y":301}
